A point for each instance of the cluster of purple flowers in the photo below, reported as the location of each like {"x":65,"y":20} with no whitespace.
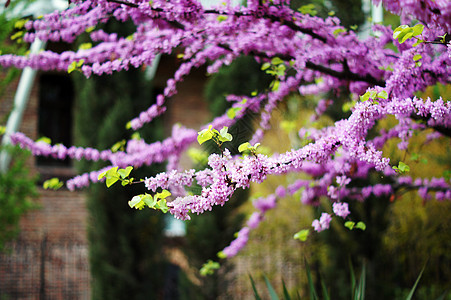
{"x":318,"y":56}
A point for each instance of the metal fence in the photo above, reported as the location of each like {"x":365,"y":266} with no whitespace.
{"x":44,"y":270}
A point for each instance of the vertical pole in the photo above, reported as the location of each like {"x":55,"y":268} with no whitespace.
{"x":20,"y":103}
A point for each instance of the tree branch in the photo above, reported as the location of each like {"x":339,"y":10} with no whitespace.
{"x":441,"y":129}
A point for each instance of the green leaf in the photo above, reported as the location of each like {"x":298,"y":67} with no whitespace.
{"x":286,"y":295}
{"x":244,"y":146}
{"x":20,"y":23}
{"x":271,"y":291}
{"x":398,"y":30}
{"x":360,"y":292}
{"x":209,"y":267}
{"x":111,"y":180}
{"x":312,"y":290}
{"x":2,"y":130}
{"x":112,"y":172}
{"x":224,"y":136}
{"x":365,"y":97}
{"x":125,"y":172}
{"x":44,"y":139}
{"x":149,"y":200}
{"x":373,"y":94}
{"x":360,"y":225}
{"x":265,"y":66}
{"x":276,"y":61}
{"x":412,"y":291}
{"x":231,"y":113}
{"x":17,"y":35}
{"x":221,"y":254}
{"x":204,"y":135}
{"x":417,"y":29}
{"x":101,"y":175}
{"x":256,"y":295}
{"x":338,"y":31}
{"x":90,"y":29}
{"x":275,"y":85}
{"x":164,"y":194}
{"x":162,"y":205}
{"x":353,"y":281}
{"x":80,"y":63}
{"x":326,"y":295}
{"x":137,"y":202}
{"x":382,"y":94}
{"x":402,"y":168}
{"x":221,"y":18}
{"x":350,"y":225}
{"x":53,"y":183}
{"x":417,"y":57}
{"x":405,"y":35}
{"x":72,"y":67}
{"x":85,"y":46}
{"x":301,"y":235}
{"x":308,"y":9}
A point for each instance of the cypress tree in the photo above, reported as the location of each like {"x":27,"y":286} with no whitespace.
{"x":125,"y":245}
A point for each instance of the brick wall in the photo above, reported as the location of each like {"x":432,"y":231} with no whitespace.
{"x":49,"y":260}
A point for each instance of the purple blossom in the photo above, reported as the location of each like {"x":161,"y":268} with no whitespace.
{"x":341,"y":209}
{"x":323,"y":222}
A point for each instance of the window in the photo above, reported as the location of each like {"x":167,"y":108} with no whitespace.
{"x":56,"y":95}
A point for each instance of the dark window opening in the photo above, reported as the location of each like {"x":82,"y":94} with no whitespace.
{"x":56,"y":95}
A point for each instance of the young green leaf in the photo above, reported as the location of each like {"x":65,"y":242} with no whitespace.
{"x":402,"y":168}
{"x":275,"y":85}
{"x":417,"y":57}
{"x":204,"y":135}
{"x":111,"y":180}
{"x":125,"y":172}
{"x":148,"y":200}
{"x":244,"y":146}
{"x":137,"y":202}
{"x":265,"y":66}
{"x":301,"y":235}
{"x":417,"y":29}
{"x":360,"y":225}
{"x":85,"y":46}
{"x":209,"y":267}
{"x":382,"y":95}
{"x":164,"y":194}
{"x":224,"y":136}
{"x":276,"y":61}
{"x":221,"y":18}
{"x":53,"y":183}
{"x":44,"y":140}
{"x":398,"y":30}
{"x":221,"y":255}
{"x":350,"y":225}
{"x":162,"y":205}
